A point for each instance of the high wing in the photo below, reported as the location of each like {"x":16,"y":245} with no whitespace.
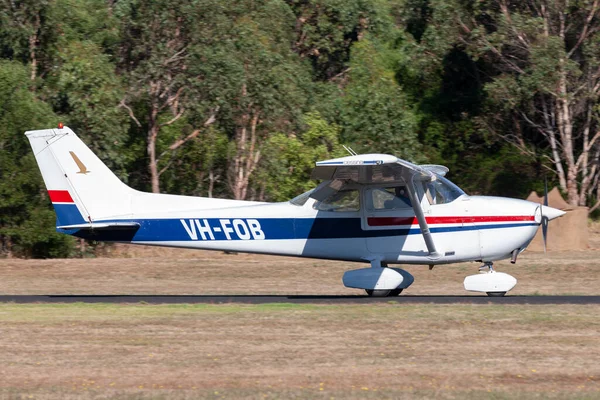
{"x":385,"y":169}
{"x":375,"y":168}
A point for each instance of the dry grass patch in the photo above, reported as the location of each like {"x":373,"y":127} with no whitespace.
{"x":204,"y":272}
{"x":299,"y":351}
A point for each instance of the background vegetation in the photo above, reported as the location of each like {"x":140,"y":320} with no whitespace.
{"x":239,"y":98}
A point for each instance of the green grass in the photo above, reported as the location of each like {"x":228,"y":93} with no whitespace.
{"x":476,"y":312}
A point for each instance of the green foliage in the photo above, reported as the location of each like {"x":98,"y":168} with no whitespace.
{"x":289,"y":159}
{"x":22,"y":22}
{"x":453,"y":89}
{"x":375,"y":112}
{"x":326,"y":29}
{"x":198,"y":168}
{"x":26,"y":220}
{"x":85,"y":92}
{"x":542,"y":86}
{"x":243,"y":63}
{"x":84,"y":21}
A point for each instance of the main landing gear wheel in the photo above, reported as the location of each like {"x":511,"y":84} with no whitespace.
{"x":383,"y":293}
{"x":496,"y":294}
{"x":378,"y":293}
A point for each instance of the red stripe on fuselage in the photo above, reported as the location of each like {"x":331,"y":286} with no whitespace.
{"x":389,"y":221}
{"x":60,"y":196}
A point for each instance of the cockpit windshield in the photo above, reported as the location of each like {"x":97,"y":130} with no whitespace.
{"x":442,"y":191}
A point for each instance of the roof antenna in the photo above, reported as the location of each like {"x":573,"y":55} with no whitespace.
{"x":349,"y":150}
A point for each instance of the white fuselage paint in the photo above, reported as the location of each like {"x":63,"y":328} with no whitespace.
{"x":468,"y":229}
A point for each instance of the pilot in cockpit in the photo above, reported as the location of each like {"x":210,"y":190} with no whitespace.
{"x":402,"y":195}
{"x":400,"y":199}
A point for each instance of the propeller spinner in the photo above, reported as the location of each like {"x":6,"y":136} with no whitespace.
{"x":547,"y":214}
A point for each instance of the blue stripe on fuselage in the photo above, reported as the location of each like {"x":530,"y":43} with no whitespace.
{"x":273,"y":228}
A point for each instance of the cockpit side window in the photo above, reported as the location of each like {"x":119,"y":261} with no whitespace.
{"x":390,"y":198}
{"x":344,"y":200}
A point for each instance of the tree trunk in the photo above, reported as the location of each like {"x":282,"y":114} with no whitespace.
{"x":565,"y":124}
{"x":550,"y":134}
{"x":239,"y":163}
{"x":572,"y":191}
{"x":585,"y":155}
{"x":211,"y":182}
{"x":246,"y":157}
{"x":33,"y":40}
{"x":151,"y":149}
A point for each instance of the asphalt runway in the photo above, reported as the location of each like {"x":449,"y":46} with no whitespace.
{"x":294,"y":299}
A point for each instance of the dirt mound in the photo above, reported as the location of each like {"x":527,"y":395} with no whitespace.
{"x":569,"y":232}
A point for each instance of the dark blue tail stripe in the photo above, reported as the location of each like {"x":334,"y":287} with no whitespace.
{"x":68,"y":214}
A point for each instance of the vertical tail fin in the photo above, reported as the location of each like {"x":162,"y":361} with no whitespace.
{"x":81,"y":187}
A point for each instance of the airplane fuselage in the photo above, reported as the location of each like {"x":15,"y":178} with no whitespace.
{"x":468,"y":229}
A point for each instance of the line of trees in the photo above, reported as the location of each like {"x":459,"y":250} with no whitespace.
{"x":240,"y":98}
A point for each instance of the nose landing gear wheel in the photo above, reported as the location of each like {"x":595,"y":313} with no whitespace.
{"x":383,"y":293}
{"x":494,"y":284}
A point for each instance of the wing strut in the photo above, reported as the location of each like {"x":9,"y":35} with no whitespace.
{"x":416,"y":205}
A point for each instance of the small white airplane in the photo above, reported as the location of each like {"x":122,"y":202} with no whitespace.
{"x":371,"y":208}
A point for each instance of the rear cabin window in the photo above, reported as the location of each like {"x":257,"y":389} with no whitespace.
{"x":345,"y":200}
{"x":301,"y":199}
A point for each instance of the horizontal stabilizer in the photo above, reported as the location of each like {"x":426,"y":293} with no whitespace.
{"x":102,"y":226}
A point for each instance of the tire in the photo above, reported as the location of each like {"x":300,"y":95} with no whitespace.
{"x":378,"y":292}
{"x":496,"y":294}
{"x":395,"y":292}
